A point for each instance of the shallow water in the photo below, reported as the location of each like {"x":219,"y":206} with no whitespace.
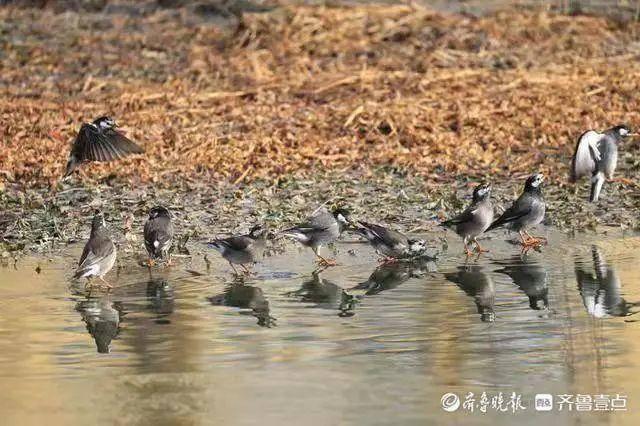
{"x":354,"y":344}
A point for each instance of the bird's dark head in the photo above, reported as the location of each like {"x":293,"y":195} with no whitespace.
{"x":98,"y":222}
{"x":257,"y":231}
{"x":342,"y":215}
{"x":416,"y":246}
{"x":159,"y":211}
{"x":621,"y":131}
{"x":105,"y":122}
{"x":482,"y":192}
{"x":534,"y":182}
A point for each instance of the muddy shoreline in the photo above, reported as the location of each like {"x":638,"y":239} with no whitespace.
{"x":44,"y":222}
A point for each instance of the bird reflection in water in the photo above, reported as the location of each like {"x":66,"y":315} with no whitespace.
{"x":477,"y":284}
{"x":600,"y":287}
{"x":391,"y":275}
{"x":240,"y":295}
{"x":325,"y":294}
{"x":161,"y":299}
{"x":531,"y":277}
{"x":102,"y":318}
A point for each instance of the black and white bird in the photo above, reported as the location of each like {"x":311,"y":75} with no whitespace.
{"x":158,"y":234}
{"x":99,"y":254}
{"x":99,"y":141}
{"x":526,"y":212}
{"x":391,"y":244}
{"x":240,"y":249}
{"x":596,"y":156}
{"x":475,"y":219}
{"x":321,"y":228}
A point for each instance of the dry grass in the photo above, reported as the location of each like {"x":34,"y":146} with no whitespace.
{"x":305,"y":87}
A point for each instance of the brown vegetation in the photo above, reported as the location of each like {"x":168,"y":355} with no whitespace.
{"x":311,"y":87}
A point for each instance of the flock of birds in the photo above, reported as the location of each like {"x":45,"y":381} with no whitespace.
{"x":595,"y":157}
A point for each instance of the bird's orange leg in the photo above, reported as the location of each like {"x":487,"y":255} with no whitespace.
{"x":479,"y":248}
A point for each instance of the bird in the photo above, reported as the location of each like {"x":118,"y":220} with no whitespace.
{"x":322,"y":227}
{"x":99,"y":141}
{"x":389,"y":243}
{"x":158,"y":234}
{"x":525,"y":212}
{"x":99,"y":254}
{"x":240,"y":249}
{"x":596,"y":156}
{"x":475,"y":219}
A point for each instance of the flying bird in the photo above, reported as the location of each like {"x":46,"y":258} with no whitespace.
{"x":99,"y":254}
{"x":99,"y":141}
{"x":389,"y":243}
{"x":240,"y":249}
{"x":475,"y":219}
{"x":322,"y":227}
{"x":527,"y":211}
{"x":596,"y":156}
{"x":158,"y":234}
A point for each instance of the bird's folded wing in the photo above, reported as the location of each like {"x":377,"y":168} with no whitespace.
{"x":93,"y":145}
{"x":94,"y":252}
{"x":466,"y":216}
{"x":387,"y":236}
{"x":586,"y":155}
{"x":237,"y":243}
{"x":521,"y":207}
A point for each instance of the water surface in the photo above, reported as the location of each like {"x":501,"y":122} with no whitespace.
{"x":354,"y":344}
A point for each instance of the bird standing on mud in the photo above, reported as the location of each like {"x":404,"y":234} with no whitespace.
{"x":158,"y":234}
{"x":596,"y":156}
{"x":240,"y":249}
{"x":389,"y":243}
{"x":475,"y":219}
{"x":527,"y":211}
{"x":99,"y":141}
{"x":322,"y":227}
{"x":99,"y":254}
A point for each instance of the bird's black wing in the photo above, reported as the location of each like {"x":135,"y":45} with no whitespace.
{"x":521,"y":207}
{"x":464,"y":217}
{"x":237,"y":242}
{"x":94,"y":145}
{"x":95,"y":250}
{"x":387,"y":236}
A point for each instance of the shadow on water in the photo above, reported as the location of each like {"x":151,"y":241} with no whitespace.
{"x":530,"y":275}
{"x":161,"y":299}
{"x":237,"y":294}
{"x":325,"y":294}
{"x":600,"y":287}
{"x":102,"y":318}
{"x":391,"y":275}
{"x":477,"y":283}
